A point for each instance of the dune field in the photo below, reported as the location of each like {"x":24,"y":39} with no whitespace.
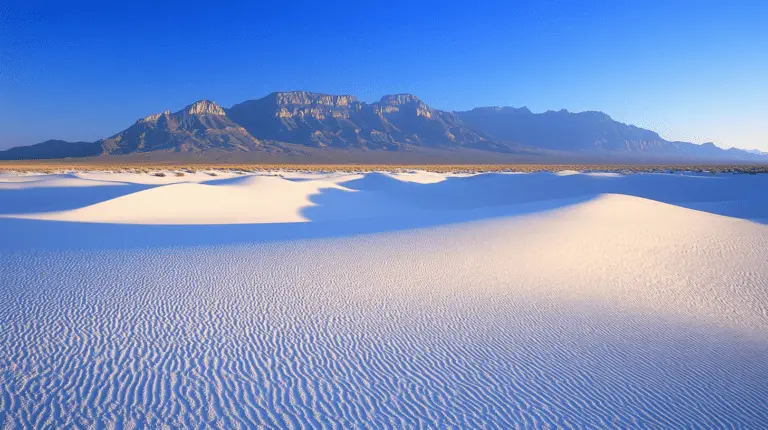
{"x":376,"y":299}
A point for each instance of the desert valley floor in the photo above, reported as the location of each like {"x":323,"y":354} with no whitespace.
{"x":410,"y":299}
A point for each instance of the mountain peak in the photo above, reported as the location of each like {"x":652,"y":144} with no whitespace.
{"x":204,"y":107}
{"x":399,"y":99}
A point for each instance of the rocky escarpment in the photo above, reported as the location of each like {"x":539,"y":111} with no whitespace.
{"x":395,"y":122}
{"x":396,"y":102}
{"x":304,"y":98}
{"x":200,"y":126}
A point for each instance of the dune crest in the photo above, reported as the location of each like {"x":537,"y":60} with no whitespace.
{"x":287,"y":197}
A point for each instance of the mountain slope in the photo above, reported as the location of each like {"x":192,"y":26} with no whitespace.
{"x":52,"y":149}
{"x":586,"y":131}
{"x":321,"y":120}
{"x":200,"y":126}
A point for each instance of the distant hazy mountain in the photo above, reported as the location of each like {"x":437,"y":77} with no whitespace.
{"x":585,"y":131}
{"x":396,"y":123}
{"x":52,"y":149}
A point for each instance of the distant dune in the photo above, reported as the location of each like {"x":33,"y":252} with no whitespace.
{"x":404,"y":299}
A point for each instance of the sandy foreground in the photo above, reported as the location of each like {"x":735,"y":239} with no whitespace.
{"x":409,"y":299}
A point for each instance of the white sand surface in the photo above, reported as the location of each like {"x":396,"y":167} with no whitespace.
{"x":386,"y":299}
{"x":253,"y":199}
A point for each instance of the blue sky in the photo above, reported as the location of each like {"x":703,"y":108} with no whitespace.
{"x":692,"y":70}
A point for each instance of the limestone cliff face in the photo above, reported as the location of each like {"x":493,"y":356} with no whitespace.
{"x":399,"y":99}
{"x":396,"y":102}
{"x":307,"y":98}
{"x":201,"y":126}
{"x":301,"y":104}
{"x":395,"y":122}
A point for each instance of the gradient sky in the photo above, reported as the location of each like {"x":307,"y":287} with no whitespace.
{"x":693,"y":70}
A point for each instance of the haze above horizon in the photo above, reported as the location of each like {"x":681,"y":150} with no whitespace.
{"x":85,"y":70}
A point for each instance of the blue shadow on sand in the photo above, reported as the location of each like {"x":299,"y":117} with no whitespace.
{"x":382,"y":204}
{"x":20,"y":234}
{"x":50,"y":199}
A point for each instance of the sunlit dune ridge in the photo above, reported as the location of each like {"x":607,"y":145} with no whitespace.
{"x":279,"y":197}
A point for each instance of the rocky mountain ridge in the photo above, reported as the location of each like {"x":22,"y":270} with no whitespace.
{"x":395,"y":123}
{"x":321,"y":120}
{"x":198,"y":127}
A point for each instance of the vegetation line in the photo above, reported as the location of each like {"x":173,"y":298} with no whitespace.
{"x":146,"y":167}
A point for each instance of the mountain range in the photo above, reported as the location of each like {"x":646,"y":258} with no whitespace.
{"x":309,"y":124}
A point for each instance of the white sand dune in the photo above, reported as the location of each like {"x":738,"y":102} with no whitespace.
{"x":21,"y":182}
{"x":389,"y":300}
{"x":255,"y":199}
{"x":285,"y":197}
{"x":170,"y":177}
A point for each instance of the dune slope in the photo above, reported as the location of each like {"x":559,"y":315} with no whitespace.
{"x":609,"y":311}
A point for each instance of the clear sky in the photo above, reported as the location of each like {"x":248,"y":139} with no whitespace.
{"x":693,"y":70}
